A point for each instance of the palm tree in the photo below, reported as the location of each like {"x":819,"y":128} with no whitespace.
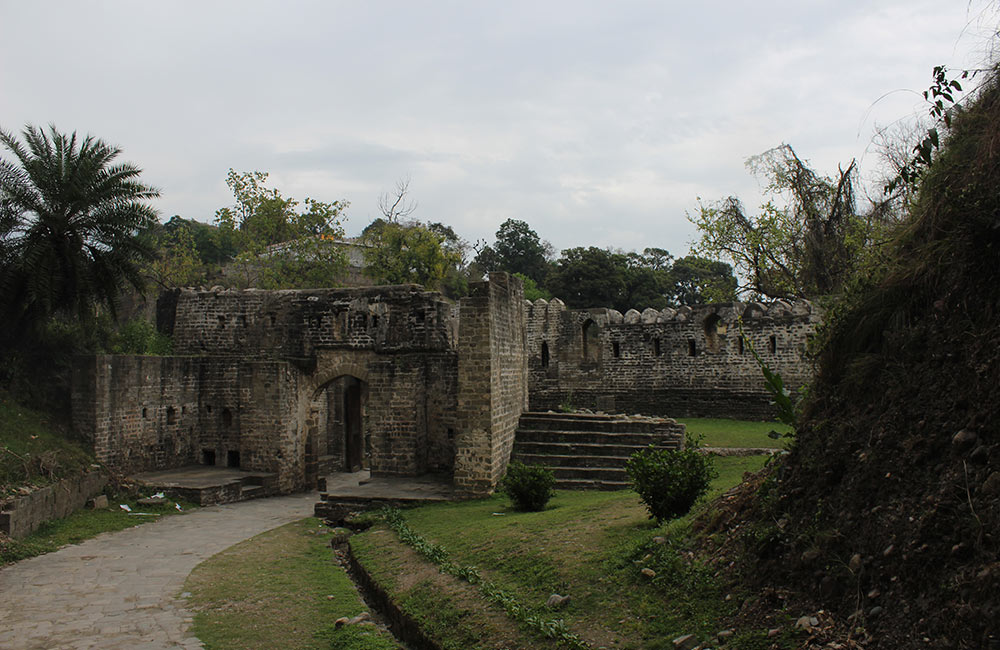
{"x":70,"y":220}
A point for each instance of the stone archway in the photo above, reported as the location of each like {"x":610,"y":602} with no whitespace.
{"x":337,"y":438}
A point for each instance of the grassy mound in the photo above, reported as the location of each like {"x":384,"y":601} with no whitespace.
{"x":887,"y":510}
{"x":35,"y":449}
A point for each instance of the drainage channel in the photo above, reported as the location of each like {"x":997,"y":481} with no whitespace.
{"x":384,"y":612}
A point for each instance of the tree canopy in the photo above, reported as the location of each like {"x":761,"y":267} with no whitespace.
{"x":517,"y":249}
{"x":409,"y":252}
{"x":70,"y":224}
{"x":282,"y":243}
{"x":805,"y":240}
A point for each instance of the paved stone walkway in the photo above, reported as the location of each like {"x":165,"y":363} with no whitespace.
{"x":121,"y":590}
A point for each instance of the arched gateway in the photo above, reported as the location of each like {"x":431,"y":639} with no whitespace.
{"x":380,"y":378}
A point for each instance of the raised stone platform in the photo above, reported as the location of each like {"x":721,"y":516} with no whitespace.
{"x":352,"y":491}
{"x":208,"y":485}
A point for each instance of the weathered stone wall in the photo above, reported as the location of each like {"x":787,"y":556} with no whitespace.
{"x":492,"y":381}
{"x":23,"y":515}
{"x":258,"y":387}
{"x":677,"y":363}
{"x":294,"y":324}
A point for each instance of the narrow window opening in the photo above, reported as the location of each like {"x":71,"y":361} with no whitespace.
{"x":232,"y":458}
{"x":591,"y":341}
{"x":772,"y":344}
{"x":171,"y":415}
{"x":421,"y":316}
{"x":616,"y":349}
{"x":208,"y":407}
{"x":657,"y":350}
{"x":451,"y":434}
{"x":208,"y":457}
{"x":374,"y":321}
{"x":711,"y":327}
{"x":227,"y":418}
{"x":545,"y":354}
{"x":739,"y":345}
{"x":692,"y":348}
{"x":273,"y":318}
{"x":222,"y":322}
{"x":145,"y":414}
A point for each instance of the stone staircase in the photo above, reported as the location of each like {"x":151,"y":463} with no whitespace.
{"x":588,"y":451}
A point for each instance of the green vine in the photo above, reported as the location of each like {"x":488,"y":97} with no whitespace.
{"x":549,"y":627}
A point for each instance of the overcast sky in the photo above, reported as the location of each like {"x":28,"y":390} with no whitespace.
{"x":598,"y":123}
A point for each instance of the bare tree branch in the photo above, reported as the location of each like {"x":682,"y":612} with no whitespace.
{"x":394,"y":205}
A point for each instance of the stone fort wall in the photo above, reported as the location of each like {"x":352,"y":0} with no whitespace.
{"x":262,"y":380}
{"x":493,"y":386}
{"x":687,"y":362}
{"x":402,"y":382}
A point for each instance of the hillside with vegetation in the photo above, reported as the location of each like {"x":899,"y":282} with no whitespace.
{"x":885,"y":514}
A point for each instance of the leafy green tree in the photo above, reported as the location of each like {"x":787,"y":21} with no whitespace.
{"x":70,"y":225}
{"x":532,"y":291}
{"x":280,"y":246}
{"x":210,"y":247}
{"x":805,"y":241}
{"x":588,"y":277}
{"x":696,"y":281}
{"x":403,"y":253}
{"x":177,"y":263}
{"x":517,"y":249}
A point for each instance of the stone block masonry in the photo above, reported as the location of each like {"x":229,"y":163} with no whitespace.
{"x":298,"y":382}
{"x":492,"y":381}
{"x":690,"y":362}
{"x":400,"y":381}
{"x":21,"y":516}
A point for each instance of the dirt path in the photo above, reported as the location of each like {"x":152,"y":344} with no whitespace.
{"x":121,"y":590}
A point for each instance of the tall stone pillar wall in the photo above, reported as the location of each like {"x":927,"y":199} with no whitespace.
{"x":492,"y":381}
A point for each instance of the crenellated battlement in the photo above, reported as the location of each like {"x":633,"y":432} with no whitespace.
{"x":685,"y":361}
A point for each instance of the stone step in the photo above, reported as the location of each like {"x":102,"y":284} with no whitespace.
{"x":614,"y":474}
{"x":578,"y":449}
{"x":580,"y":424}
{"x":251,"y":491}
{"x":582,"y":484}
{"x":574,"y":460}
{"x":594,"y":437}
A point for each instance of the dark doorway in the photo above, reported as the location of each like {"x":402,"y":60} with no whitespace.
{"x":336,"y":425}
{"x":353,"y":436}
{"x":232,"y":458}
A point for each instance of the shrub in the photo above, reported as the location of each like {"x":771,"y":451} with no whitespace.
{"x":529,"y":487}
{"x":139,"y":336}
{"x":669,"y":481}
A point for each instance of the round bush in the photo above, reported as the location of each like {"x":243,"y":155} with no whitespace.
{"x":529,"y":487}
{"x":669,"y":481}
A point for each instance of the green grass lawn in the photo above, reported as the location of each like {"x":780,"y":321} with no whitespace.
{"x":82,"y":525}
{"x":280,"y":589}
{"x":719,"y":432}
{"x":591,"y":546}
{"x":33,"y":450}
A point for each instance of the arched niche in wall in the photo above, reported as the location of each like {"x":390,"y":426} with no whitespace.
{"x":711,"y":327}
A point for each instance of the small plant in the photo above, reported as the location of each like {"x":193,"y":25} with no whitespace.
{"x":669,"y":481}
{"x":139,"y":336}
{"x":528,"y":486}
